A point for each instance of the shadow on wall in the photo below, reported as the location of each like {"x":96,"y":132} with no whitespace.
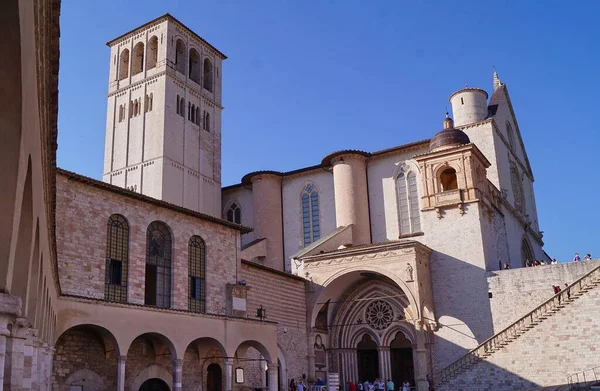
{"x":462,"y":308}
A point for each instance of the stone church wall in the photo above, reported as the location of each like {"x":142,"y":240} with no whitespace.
{"x":283,"y":296}
{"x":515,"y":292}
{"x":82,"y":212}
{"x":562,"y":344}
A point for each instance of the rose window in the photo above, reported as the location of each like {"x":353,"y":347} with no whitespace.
{"x":379,"y":315}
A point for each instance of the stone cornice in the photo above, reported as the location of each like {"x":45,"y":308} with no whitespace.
{"x":169,"y":73}
{"x":373,"y":251}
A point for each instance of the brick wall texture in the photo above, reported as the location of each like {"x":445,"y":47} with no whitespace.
{"x":565,"y":343}
{"x":284,"y":299}
{"x":81,"y":245}
{"x":515,"y":292}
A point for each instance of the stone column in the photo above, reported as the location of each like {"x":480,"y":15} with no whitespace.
{"x":42,"y":365}
{"x":177,"y":374}
{"x":228,"y":374}
{"x":273,"y":384}
{"x":121,"y":373}
{"x":384,"y":362}
{"x":35,"y":363}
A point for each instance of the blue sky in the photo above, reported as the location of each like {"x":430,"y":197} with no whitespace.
{"x":305,"y":78}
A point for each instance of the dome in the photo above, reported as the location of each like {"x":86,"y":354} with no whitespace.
{"x":448,"y":137}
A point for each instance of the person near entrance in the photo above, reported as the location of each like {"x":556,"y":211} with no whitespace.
{"x":390,"y":385}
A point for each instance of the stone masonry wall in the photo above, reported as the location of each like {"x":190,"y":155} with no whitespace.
{"x":283,"y":296}
{"x":560,"y":345}
{"x":82,"y":212}
{"x":81,"y":359}
{"x":515,"y":292}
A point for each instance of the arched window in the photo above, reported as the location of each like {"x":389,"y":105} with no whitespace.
{"x":448,"y":179}
{"x":151,"y":101}
{"x":152,"y":52}
{"x":117,"y":256}
{"x":517,"y":187}
{"x":197,"y":115}
{"x":182,"y":107}
{"x":311,"y":227}
{"x":138,"y":59}
{"x":180,"y":56}
{"x":177,"y":107}
{"x":136,"y":107}
{"x":189,"y":117}
{"x":124,"y":64}
{"x":194,"y":66}
{"x":194,"y":113}
{"x":158,"y":265}
{"x":526,"y":253}
{"x":207,"y":79}
{"x":206,"y":122}
{"x":408,"y":203}
{"x":510,"y":134}
{"x":197,"y":274}
{"x":234,"y":214}
{"x":121,"y":113}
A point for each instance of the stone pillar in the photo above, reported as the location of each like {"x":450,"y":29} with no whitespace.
{"x":177,"y":374}
{"x":29,"y":364}
{"x":268,"y":214}
{"x":311,"y":357}
{"x":384,"y":362}
{"x":228,"y":374}
{"x":35,"y":363}
{"x":49,"y":360}
{"x":273,"y":383}
{"x":351,"y":198}
{"x":121,"y":373}
{"x":420,"y":359}
{"x":41,"y":365}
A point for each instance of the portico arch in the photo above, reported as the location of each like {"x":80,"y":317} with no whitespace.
{"x":199,"y":356}
{"x":152,"y":372}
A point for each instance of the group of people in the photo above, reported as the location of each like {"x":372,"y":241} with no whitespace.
{"x":576,"y":258}
{"x":377,"y":385}
{"x":530,"y":263}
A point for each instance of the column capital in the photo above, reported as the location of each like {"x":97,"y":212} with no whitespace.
{"x":178,"y":363}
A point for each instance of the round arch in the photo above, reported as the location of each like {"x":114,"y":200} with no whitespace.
{"x":155,"y":337}
{"x":320,"y":297}
{"x":258,"y":346}
{"x":206,"y":343}
{"x":152,"y":372}
{"x":105,"y":335}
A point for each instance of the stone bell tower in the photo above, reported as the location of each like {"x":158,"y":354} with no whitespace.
{"x":163,"y":125}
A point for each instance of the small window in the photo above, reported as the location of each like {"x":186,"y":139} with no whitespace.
{"x":462,"y":102}
{"x":197,"y":115}
{"x":206,"y":122}
{"x":182,"y":107}
{"x":234,"y":214}
{"x":448,"y":179}
{"x":177,"y":107}
{"x":311,"y":227}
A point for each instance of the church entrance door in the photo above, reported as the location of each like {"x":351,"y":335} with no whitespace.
{"x":401,"y":355}
{"x":154,"y":385}
{"x":213,"y":378}
{"x":368,"y":359}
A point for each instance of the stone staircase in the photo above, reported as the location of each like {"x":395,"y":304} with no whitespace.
{"x":516,"y":330}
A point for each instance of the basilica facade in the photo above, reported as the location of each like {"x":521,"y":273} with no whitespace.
{"x":368,"y":264}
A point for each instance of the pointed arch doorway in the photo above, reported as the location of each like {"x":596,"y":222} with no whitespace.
{"x":401,"y":357}
{"x":368,"y":360}
{"x":154,"y":385}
